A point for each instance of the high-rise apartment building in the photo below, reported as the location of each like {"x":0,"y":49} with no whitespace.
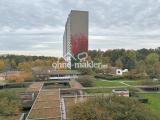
{"x":75,"y":38}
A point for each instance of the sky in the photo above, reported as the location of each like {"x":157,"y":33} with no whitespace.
{"x":36,"y":27}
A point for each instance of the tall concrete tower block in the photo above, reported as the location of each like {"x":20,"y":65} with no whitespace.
{"x":75,"y":38}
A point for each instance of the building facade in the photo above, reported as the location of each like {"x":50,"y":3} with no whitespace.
{"x":75,"y":38}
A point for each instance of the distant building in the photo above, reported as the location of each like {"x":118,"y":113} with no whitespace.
{"x":75,"y":38}
{"x":49,"y":73}
{"x":2,"y":76}
{"x":121,"y":92}
{"x":120,"y":71}
{"x":5,"y":75}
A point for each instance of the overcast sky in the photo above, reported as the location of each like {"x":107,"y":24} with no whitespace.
{"x":36,"y":27}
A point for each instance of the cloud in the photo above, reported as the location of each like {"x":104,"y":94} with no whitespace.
{"x":42,"y":30}
{"x":39,"y":46}
{"x":38,"y":25}
{"x":57,"y":53}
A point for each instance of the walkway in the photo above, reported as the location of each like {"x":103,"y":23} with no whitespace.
{"x":46,"y":106}
{"x":35,"y":87}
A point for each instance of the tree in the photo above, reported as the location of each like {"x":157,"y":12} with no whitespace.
{"x":129,"y":59}
{"x":9,"y":102}
{"x":86,"y":71}
{"x":157,"y":50}
{"x":2,"y":65}
{"x":119,"y":63}
{"x":141,"y":67}
{"x":157,"y":69}
{"x":142,"y":53}
{"x":105,"y":60}
{"x":86,"y":81}
{"x":116,"y":54}
{"x":13,"y":64}
{"x":26,"y":66}
{"x":39,"y":62}
{"x":152,"y":59}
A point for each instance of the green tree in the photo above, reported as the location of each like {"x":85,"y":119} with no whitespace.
{"x":140,"y":67}
{"x":152,"y":59}
{"x":2,"y":65}
{"x":9,"y":103}
{"x":13,"y":64}
{"x":119,"y":63}
{"x":129,"y":59}
{"x":142,"y":53}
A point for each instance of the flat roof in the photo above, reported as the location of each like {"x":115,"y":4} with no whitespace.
{"x":35,"y":87}
{"x":46,"y":106}
{"x":52,"y":71}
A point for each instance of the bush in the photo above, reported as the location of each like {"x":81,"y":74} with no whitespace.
{"x":86,"y":81}
{"x":21,"y":77}
{"x":149,"y":82}
{"x":110,"y":108}
{"x":86,"y":71}
{"x":135,"y":76}
{"x":109,"y":77}
{"x":9,"y":103}
{"x":125,"y":76}
{"x":17,"y":85}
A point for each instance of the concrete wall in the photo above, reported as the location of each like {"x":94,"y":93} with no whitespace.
{"x":79,"y":31}
{"x":75,"y":37}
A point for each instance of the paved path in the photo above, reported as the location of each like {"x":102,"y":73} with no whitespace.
{"x":46,"y":106}
{"x":125,"y":83}
{"x":35,"y":87}
{"x":75,"y":84}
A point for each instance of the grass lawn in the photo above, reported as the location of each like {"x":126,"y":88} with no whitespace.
{"x":120,"y":82}
{"x":133,"y":83}
{"x":154,"y":101}
{"x":92,"y":91}
{"x":109,"y":83}
{"x":102,"y":83}
{"x":15,"y":117}
{"x":14,"y":90}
